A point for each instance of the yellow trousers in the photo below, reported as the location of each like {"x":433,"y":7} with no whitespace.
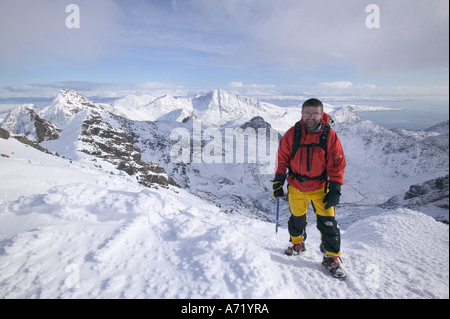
{"x":326,"y":222}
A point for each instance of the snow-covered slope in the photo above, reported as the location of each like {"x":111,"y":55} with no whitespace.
{"x":149,"y":108}
{"x":437,"y":135}
{"x":430,"y":197}
{"x":98,"y":223}
{"x":381,"y":162}
{"x":78,"y":232}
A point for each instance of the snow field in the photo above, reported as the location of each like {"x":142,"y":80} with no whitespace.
{"x":73,"y":230}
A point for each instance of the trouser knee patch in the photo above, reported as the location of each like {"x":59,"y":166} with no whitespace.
{"x":331,"y":235}
{"x":297,"y":226}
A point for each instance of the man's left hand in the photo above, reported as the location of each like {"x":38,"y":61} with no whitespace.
{"x":334,"y":194}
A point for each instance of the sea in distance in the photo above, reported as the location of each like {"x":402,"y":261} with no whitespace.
{"x":411,"y":114}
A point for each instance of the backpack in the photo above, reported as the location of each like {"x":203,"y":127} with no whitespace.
{"x":322,"y":143}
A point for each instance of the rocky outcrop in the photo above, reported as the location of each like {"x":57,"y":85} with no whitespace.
{"x":434,"y":192}
{"x":4,"y":134}
{"x":24,"y":120}
{"x":102,"y":140}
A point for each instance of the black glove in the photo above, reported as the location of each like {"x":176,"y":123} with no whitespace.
{"x":278,"y":183}
{"x":333,"y":195}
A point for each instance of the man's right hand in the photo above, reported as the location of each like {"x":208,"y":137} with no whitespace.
{"x":278,"y":183}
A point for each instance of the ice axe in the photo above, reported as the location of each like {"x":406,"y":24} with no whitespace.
{"x":278,"y":212}
{"x":277,"y":199}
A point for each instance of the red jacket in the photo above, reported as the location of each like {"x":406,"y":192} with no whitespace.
{"x":334,"y":163}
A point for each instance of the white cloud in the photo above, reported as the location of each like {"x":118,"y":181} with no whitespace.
{"x":36,"y":31}
{"x":74,"y":85}
{"x":93,"y":90}
{"x":260,"y":86}
{"x":156,"y":85}
{"x":236,"y":84}
{"x":345,"y":85}
{"x":413,"y":34}
{"x":368,"y":86}
{"x":314,"y":39}
{"x":288,"y":33}
{"x":337,"y":84}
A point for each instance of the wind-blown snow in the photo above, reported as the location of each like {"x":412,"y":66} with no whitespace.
{"x":70,"y":230}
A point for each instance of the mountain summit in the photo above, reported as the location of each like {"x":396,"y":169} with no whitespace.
{"x":215,"y":108}
{"x":67,"y":104}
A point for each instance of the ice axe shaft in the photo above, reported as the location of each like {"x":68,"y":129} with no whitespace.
{"x":278,"y":212}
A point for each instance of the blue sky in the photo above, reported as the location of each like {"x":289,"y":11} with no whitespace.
{"x":254,"y":47}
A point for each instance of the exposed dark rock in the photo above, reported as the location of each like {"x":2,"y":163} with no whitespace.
{"x":4,"y":134}
{"x":35,"y":145}
{"x":45,"y":130}
{"x":118,"y":147}
{"x":433,"y":192}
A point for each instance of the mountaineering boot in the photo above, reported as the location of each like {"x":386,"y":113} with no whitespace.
{"x":333,"y":264}
{"x":296,"y":249}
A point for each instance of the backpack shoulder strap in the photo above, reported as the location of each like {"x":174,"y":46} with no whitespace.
{"x":297,"y":138}
{"x":324,"y":137}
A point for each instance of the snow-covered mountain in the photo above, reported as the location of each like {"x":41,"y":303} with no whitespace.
{"x":221,"y":129}
{"x":381,"y":162}
{"x":84,"y":133}
{"x":24,"y":120}
{"x":168,"y":197}
{"x":66,"y":104}
{"x":216,"y":108}
{"x":437,"y":135}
